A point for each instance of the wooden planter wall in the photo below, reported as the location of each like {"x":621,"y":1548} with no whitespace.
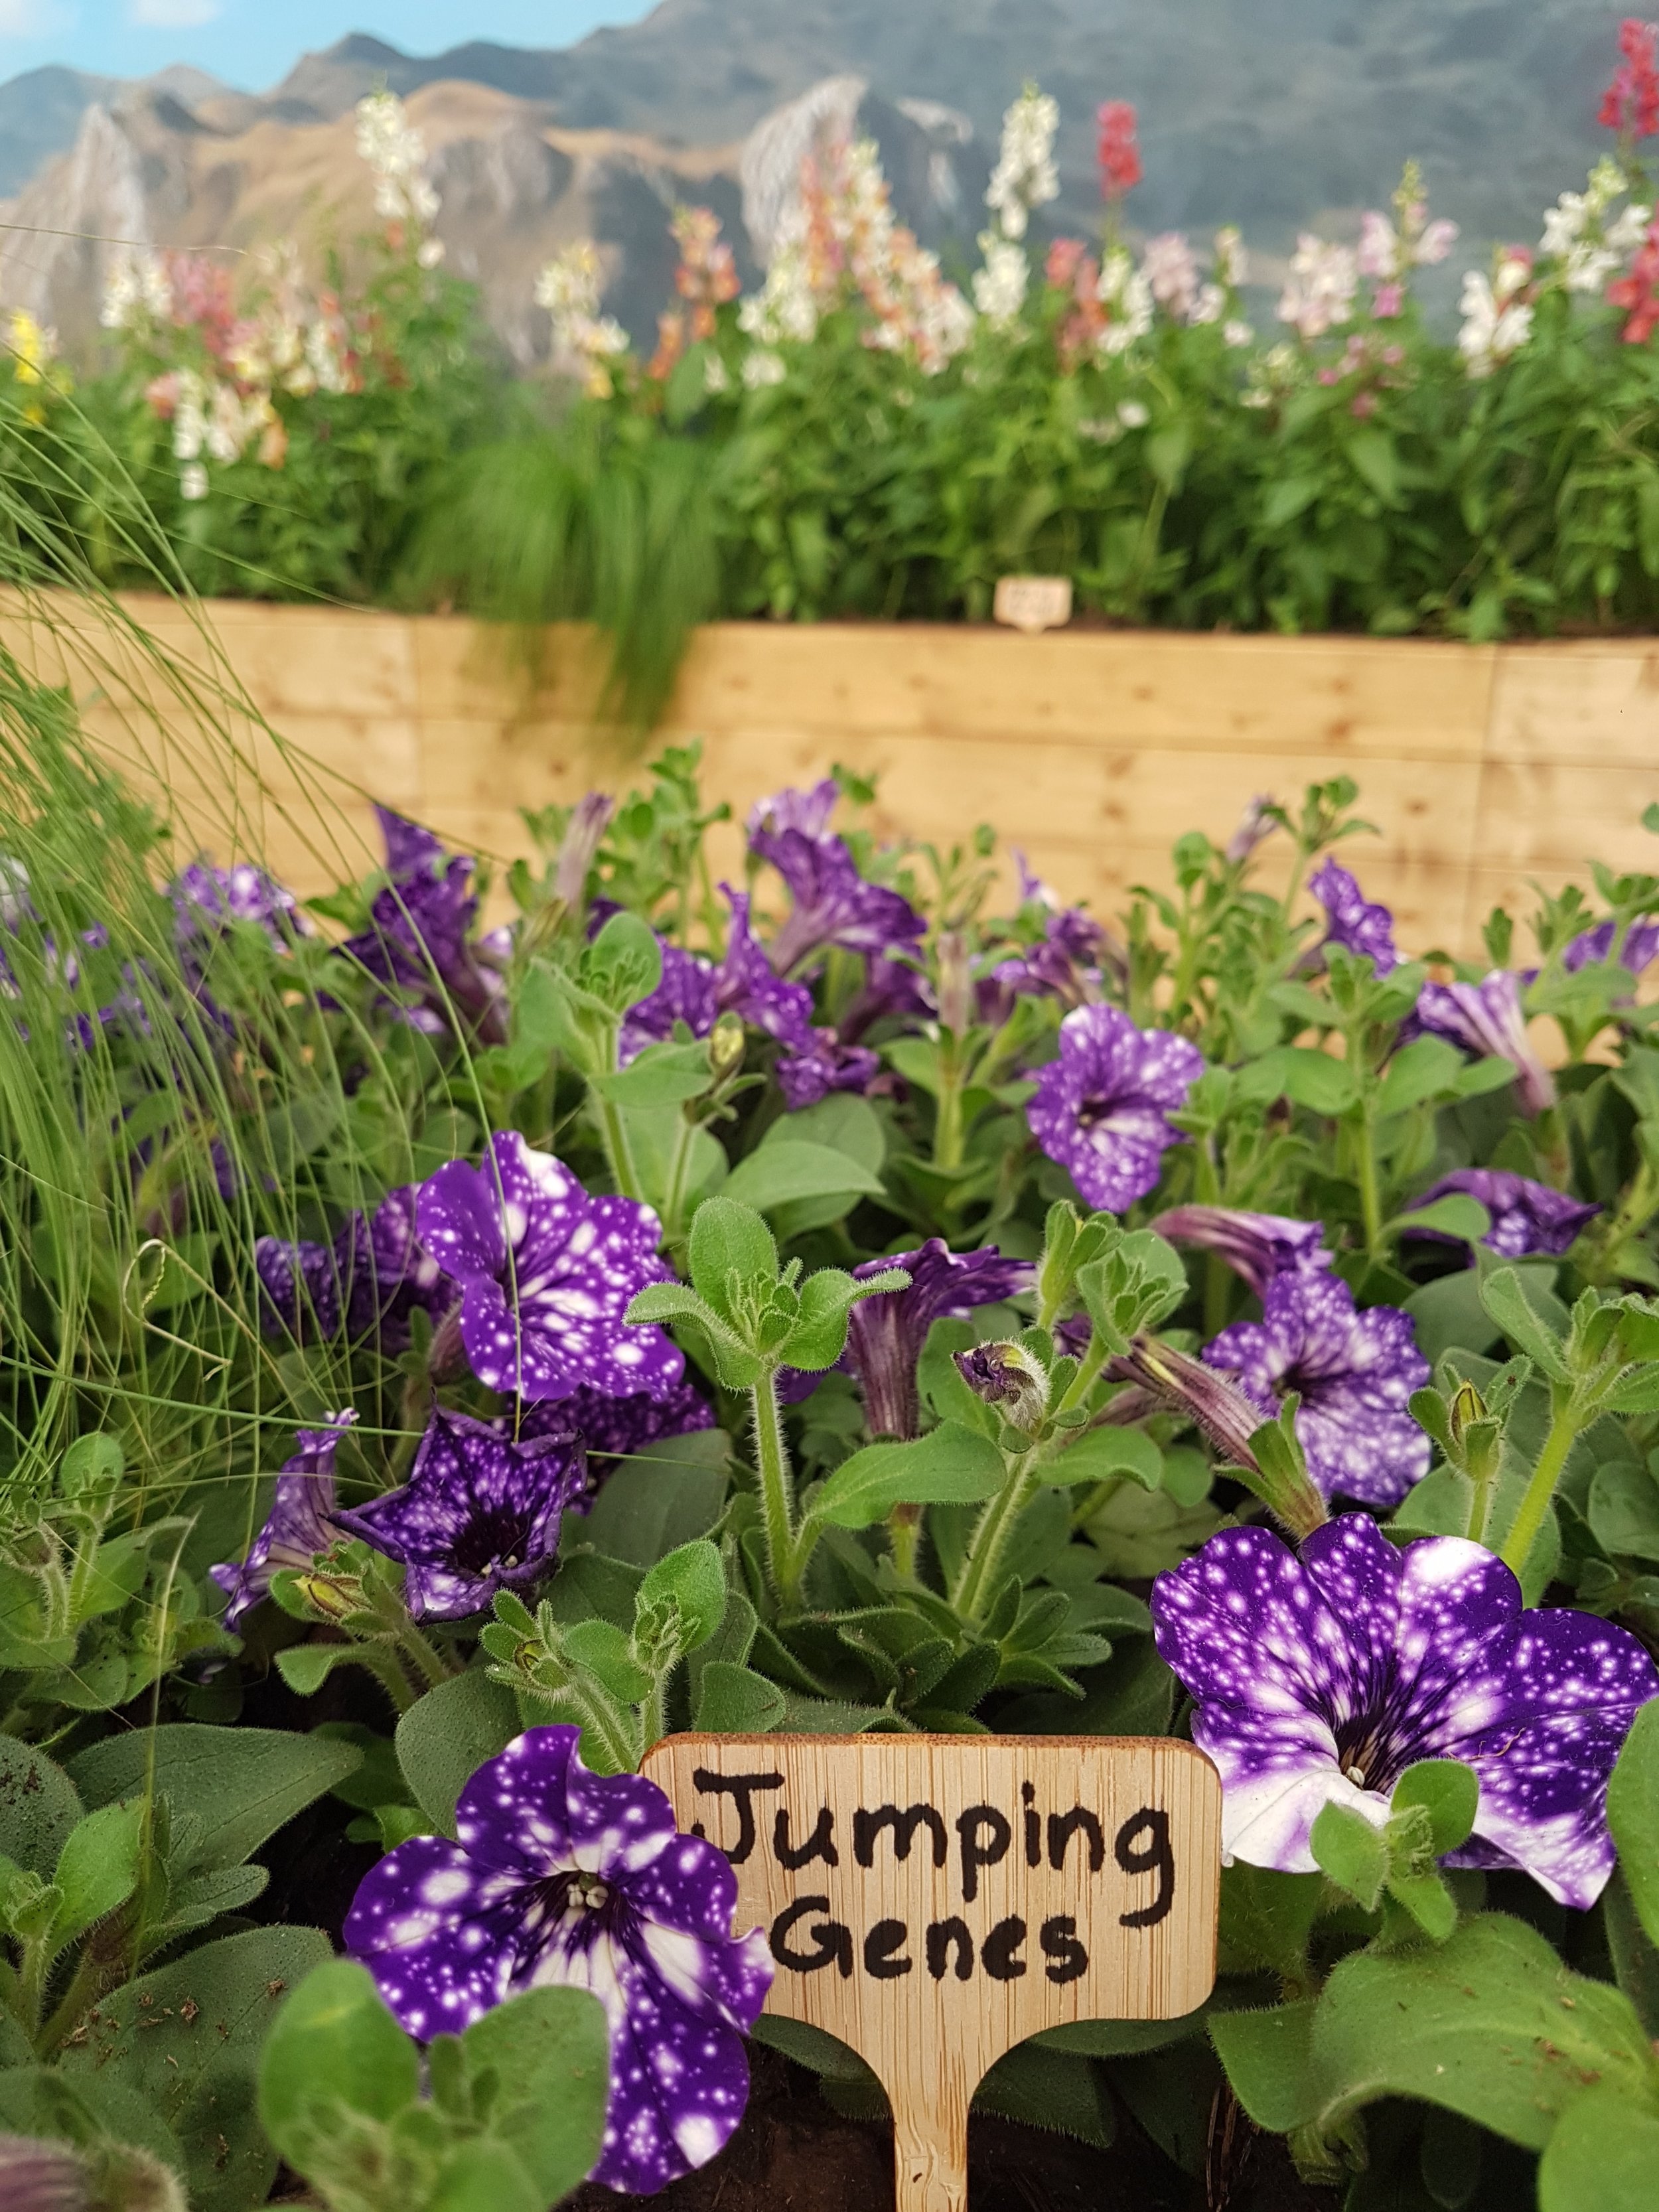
{"x":1481,"y":767}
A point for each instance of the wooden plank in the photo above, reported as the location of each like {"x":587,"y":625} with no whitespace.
{"x":934,"y":1901}
{"x":1339,"y":699}
{"x":1584,"y":706}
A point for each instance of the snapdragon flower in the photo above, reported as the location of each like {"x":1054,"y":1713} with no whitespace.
{"x":1323,"y":278}
{"x":392,"y":146}
{"x":1000,"y":288}
{"x":1354,"y":1371}
{"x":1025,"y":176}
{"x":1100,"y":1107}
{"x":546,"y":1273}
{"x":300,"y":1527}
{"x":1126,"y":296}
{"x":1168,"y":264}
{"x":479,"y":1513}
{"x":1497,"y":323}
{"x":560,"y":1876}
{"x":1321,"y":1678}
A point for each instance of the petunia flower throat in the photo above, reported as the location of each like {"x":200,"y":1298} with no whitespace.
{"x":1320,"y":1679}
{"x":560,"y":1876}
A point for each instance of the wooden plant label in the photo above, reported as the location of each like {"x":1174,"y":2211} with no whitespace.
{"x":933,"y":1900}
{"x":1033,"y":603}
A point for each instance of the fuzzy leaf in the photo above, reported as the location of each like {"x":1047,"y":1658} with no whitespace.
{"x":186,"y":2038}
{"x":241,"y":1784}
{"x":1633,"y":1816}
{"x":333,"y":2039}
{"x":778,"y":1174}
{"x":951,"y":1465}
{"x":734,"y":1700}
{"x":548,"y":2052}
{"x":39,"y":1806}
{"x":1602,"y":2157}
{"x":446,"y":1736}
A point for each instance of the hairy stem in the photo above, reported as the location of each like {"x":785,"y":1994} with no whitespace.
{"x":977,"y":1581}
{"x":1540,"y":1488}
{"x":777,"y":1505}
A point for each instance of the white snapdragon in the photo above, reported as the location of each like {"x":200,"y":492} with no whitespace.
{"x":1588,"y":248}
{"x":392,"y":146}
{"x":1025,"y":176}
{"x":137,"y":290}
{"x":1324,"y":279}
{"x":762,"y":367}
{"x":1125,"y":293}
{"x":1000,"y":288}
{"x":1233,"y":263}
{"x":1495,"y":324}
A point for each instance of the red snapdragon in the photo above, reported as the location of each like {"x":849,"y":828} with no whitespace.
{"x":1639,"y":292}
{"x":1630,"y":105}
{"x":1119,"y":155}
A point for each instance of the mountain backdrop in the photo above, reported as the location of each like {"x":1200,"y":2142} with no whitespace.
{"x":1285,"y":114}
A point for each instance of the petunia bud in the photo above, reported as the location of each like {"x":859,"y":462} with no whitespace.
{"x":1218,"y":1408}
{"x":1466,"y":1407}
{"x":586,"y":825}
{"x":725,"y":1047}
{"x":955,"y":984}
{"x":1007,"y":1377}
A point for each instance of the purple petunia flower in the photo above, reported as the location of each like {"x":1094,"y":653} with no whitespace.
{"x":1256,"y":1246}
{"x":564,"y":1877}
{"x":1319,"y":1680}
{"x":820,"y":1063}
{"x":1527,"y":1216}
{"x":1100,"y":1107}
{"x":419,"y":938}
{"x":834,"y":905}
{"x":1354,"y":1371}
{"x":300,"y":1527}
{"x":610,"y":1429}
{"x":546,"y":1273}
{"x":687,"y":993}
{"x":748,"y":983}
{"x":1638,"y":950}
{"x":370,"y":1280}
{"x":1485,"y":1018}
{"x":205,"y":896}
{"x":885,"y":1333}
{"x":479,"y":1513}
{"x":1351,"y":919}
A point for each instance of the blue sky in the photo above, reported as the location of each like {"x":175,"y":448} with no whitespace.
{"x":252,"y":43}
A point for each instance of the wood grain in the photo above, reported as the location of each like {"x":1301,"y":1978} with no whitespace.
{"x":955,"y":1895}
{"x":1481,"y":767}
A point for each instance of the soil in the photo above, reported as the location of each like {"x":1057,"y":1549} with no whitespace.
{"x":793,"y":2153}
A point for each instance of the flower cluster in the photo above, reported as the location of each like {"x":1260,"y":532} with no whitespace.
{"x":394,"y":149}
{"x":1320,"y":293}
{"x":586,"y":342}
{"x":1630,"y":105}
{"x":706,"y":279}
{"x":1115,"y":149}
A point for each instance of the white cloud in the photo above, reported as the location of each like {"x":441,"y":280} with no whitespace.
{"x":28,"y":19}
{"x":167,"y":15}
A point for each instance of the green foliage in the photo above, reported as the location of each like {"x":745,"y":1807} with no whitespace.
{"x":516,"y":2122}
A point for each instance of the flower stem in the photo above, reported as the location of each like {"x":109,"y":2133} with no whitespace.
{"x":1087,"y":1374}
{"x":904,"y":1532}
{"x":777,"y":1509}
{"x":618,"y":1151}
{"x":947,"y":1125}
{"x":679,"y":1167}
{"x":1540,"y":1488}
{"x":975,"y":1582}
{"x":1370,"y":1202}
